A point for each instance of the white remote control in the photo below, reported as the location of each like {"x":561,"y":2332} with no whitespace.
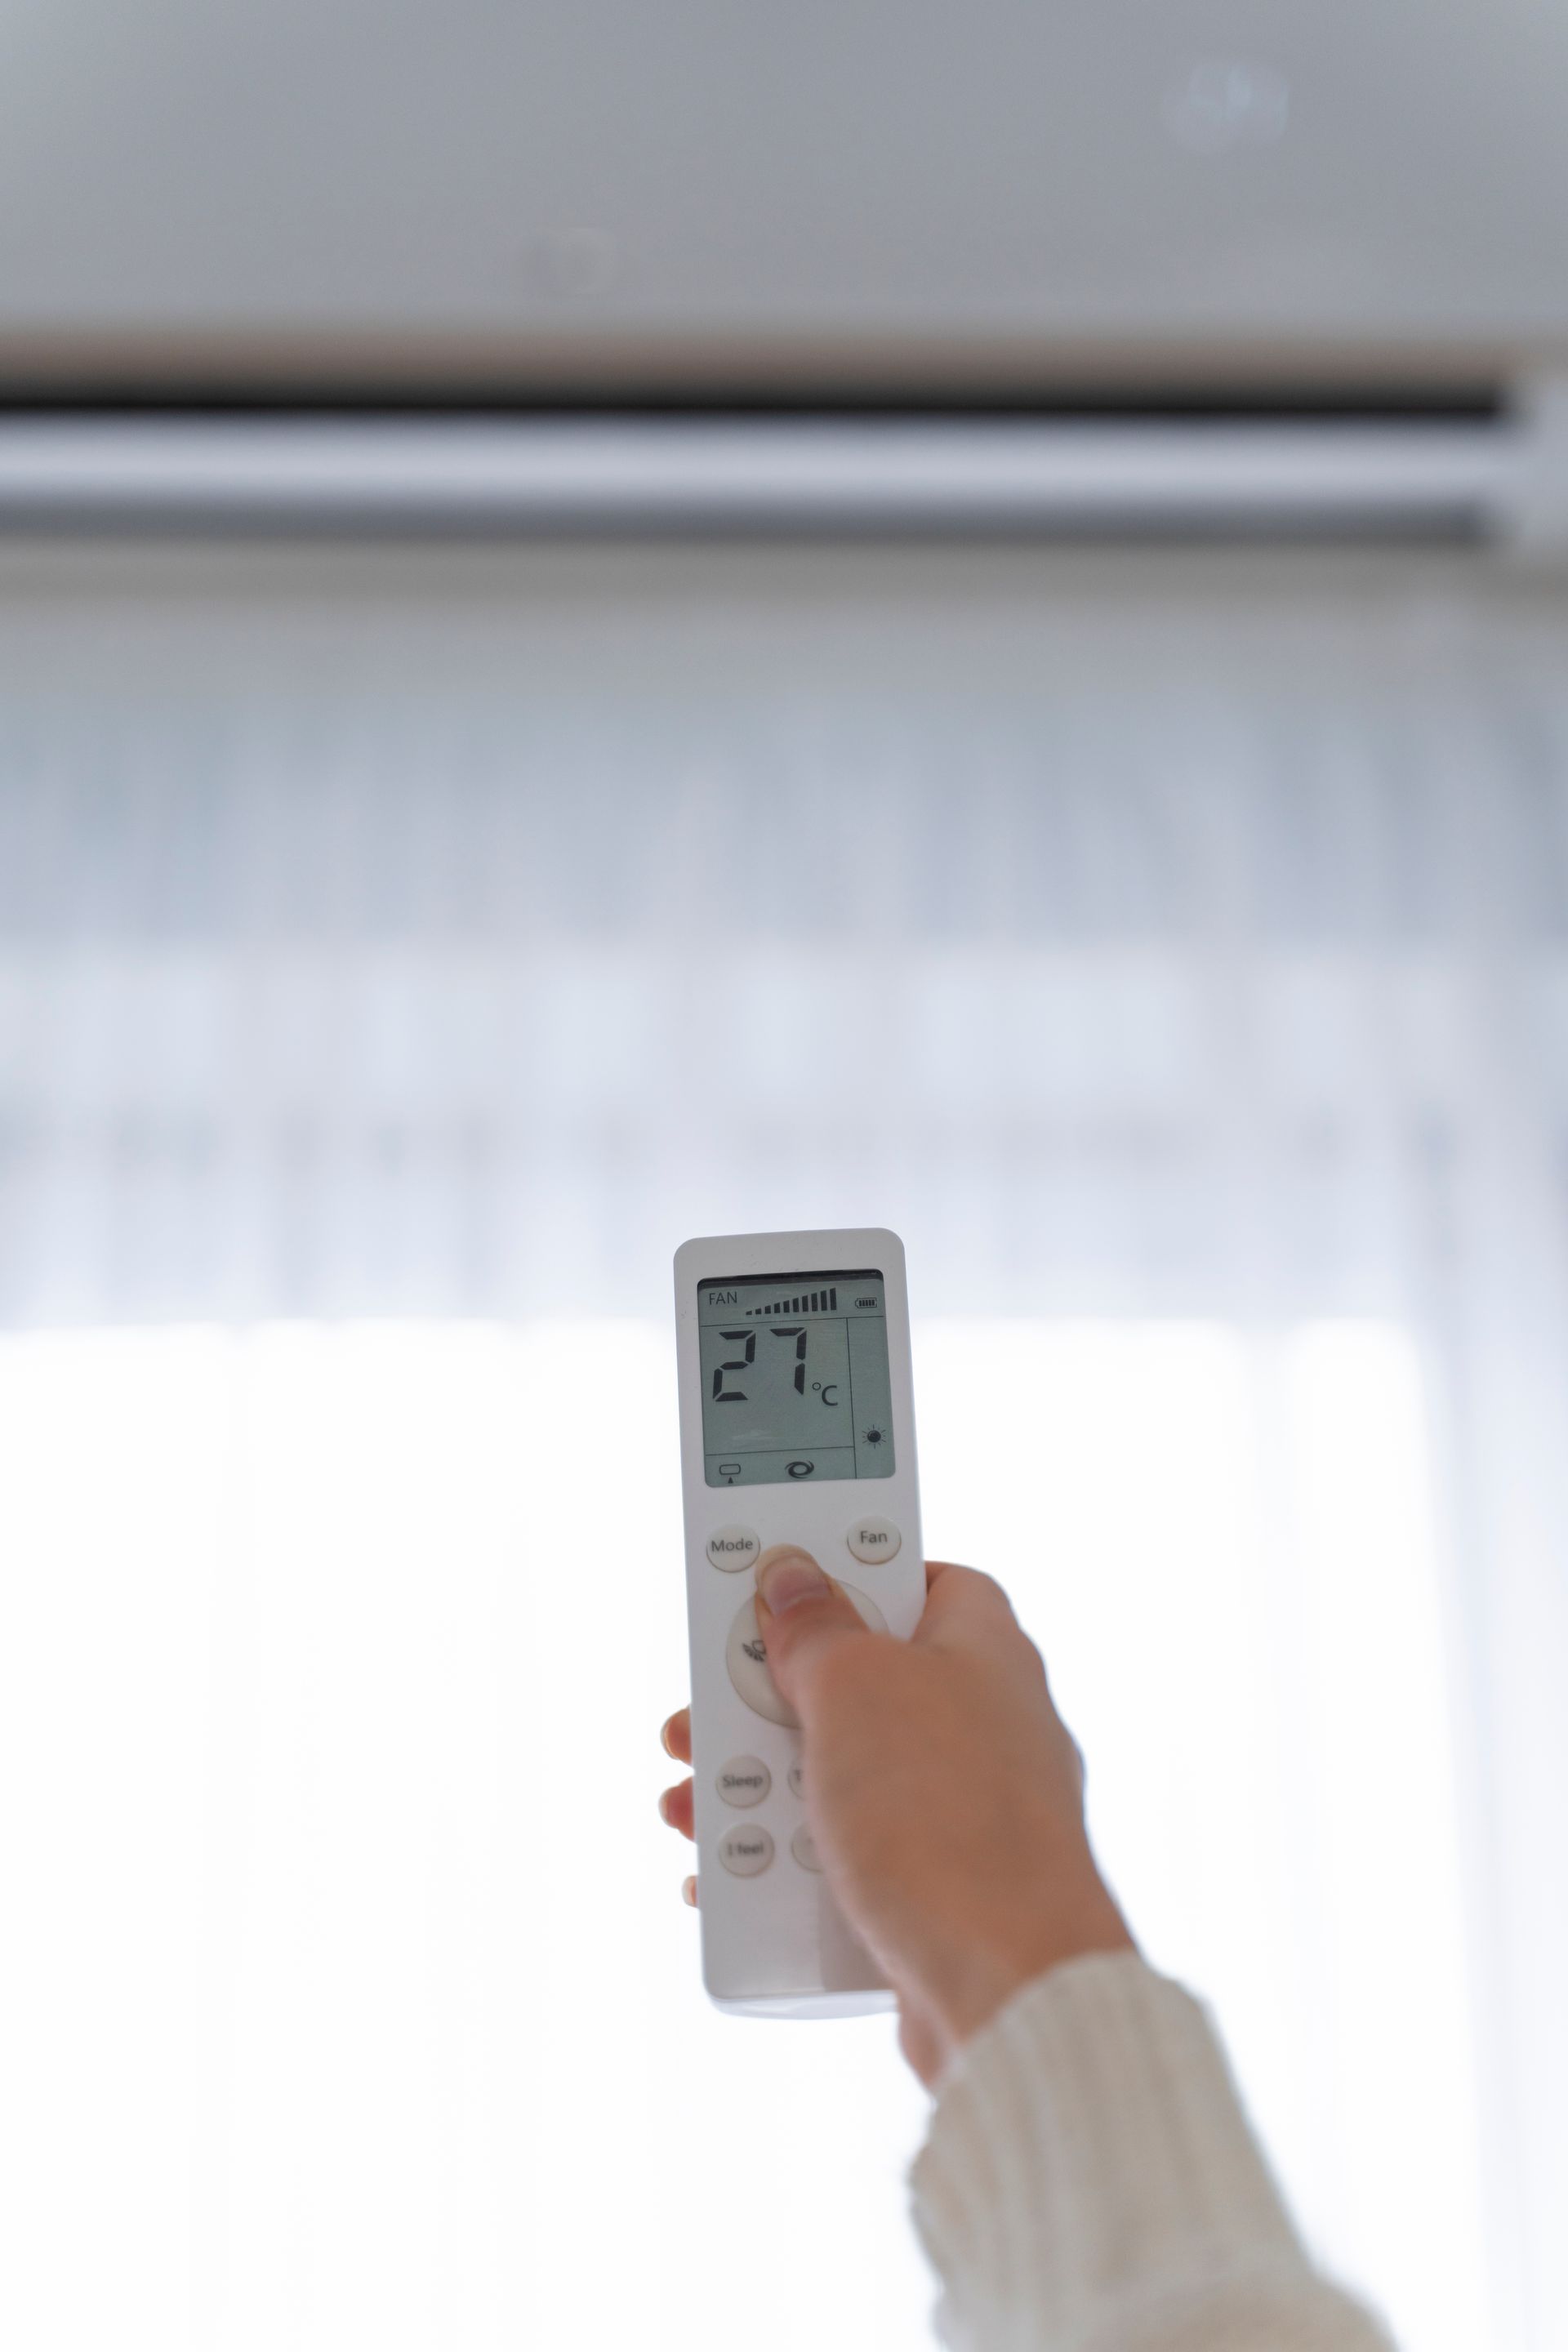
{"x":796,"y":1426}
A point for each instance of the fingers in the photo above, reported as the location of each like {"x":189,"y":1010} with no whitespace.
{"x":962,"y":1604}
{"x":676,"y":1735}
{"x":675,"y":1807}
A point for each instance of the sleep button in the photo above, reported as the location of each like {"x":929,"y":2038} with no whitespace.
{"x":872,"y":1539}
{"x":745,"y":1781}
{"x":733,"y":1548}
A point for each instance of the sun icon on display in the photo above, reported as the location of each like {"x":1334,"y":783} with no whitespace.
{"x":872,"y":1437}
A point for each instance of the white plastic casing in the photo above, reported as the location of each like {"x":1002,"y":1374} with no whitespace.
{"x":776,"y":1944}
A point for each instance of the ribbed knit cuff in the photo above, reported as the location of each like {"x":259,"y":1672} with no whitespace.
{"x":1089,"y":2154}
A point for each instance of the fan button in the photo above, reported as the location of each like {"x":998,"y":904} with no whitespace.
{"x":873,"y":1539}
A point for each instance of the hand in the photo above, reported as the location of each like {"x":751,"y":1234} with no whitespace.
{"x":944,"y":1790}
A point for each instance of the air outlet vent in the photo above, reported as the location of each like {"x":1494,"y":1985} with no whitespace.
{"x":1475,"y":468}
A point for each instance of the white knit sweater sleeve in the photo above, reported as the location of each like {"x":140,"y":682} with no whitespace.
{"x":1091,"y":2181}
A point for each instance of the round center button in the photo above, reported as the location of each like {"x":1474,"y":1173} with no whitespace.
{"x":873,"y":1539}
{"x":746,"y":1849}
{"x":733,"y":1547}
{"x":745,"y":1654}
{"x":745,"y":1781}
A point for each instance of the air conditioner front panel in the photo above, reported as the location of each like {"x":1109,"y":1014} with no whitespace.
{"x":705,"y":186}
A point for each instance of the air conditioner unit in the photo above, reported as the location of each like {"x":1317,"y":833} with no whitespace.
{"x":1139,"y":265}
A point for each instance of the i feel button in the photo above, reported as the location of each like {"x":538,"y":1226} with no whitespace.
{"x":733,"y":1548}
{"x":872,"y":1539}
{"x":746,"y":1852}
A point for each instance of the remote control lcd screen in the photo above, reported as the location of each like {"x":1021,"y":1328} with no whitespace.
{"x":794,"y":1379}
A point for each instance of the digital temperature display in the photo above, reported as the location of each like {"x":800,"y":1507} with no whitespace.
{"x":794,"y":1379}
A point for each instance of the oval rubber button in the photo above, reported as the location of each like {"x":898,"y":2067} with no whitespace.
{"x":803,"y":1845}
{"x":873,"y":1539}
{"x":734,"y":1546}
{"x":745,"y":1781}
{"x":746,"y":1850}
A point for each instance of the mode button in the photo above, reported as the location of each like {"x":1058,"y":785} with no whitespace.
{"x":733,"y":1547}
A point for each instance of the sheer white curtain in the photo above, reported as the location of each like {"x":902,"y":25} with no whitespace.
{"x":444,"y":936}
{"x":353,"y":2001}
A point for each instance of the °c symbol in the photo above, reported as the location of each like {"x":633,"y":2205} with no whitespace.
{"x":800,"y":1469}
{"x":830,"y":1390}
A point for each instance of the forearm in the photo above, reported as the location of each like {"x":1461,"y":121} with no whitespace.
{"x":1090,"y":2180}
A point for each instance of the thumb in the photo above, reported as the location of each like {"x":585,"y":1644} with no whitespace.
{"x":801,"y":1612}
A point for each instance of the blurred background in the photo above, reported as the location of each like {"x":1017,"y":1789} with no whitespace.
{"x":621,"y":624}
